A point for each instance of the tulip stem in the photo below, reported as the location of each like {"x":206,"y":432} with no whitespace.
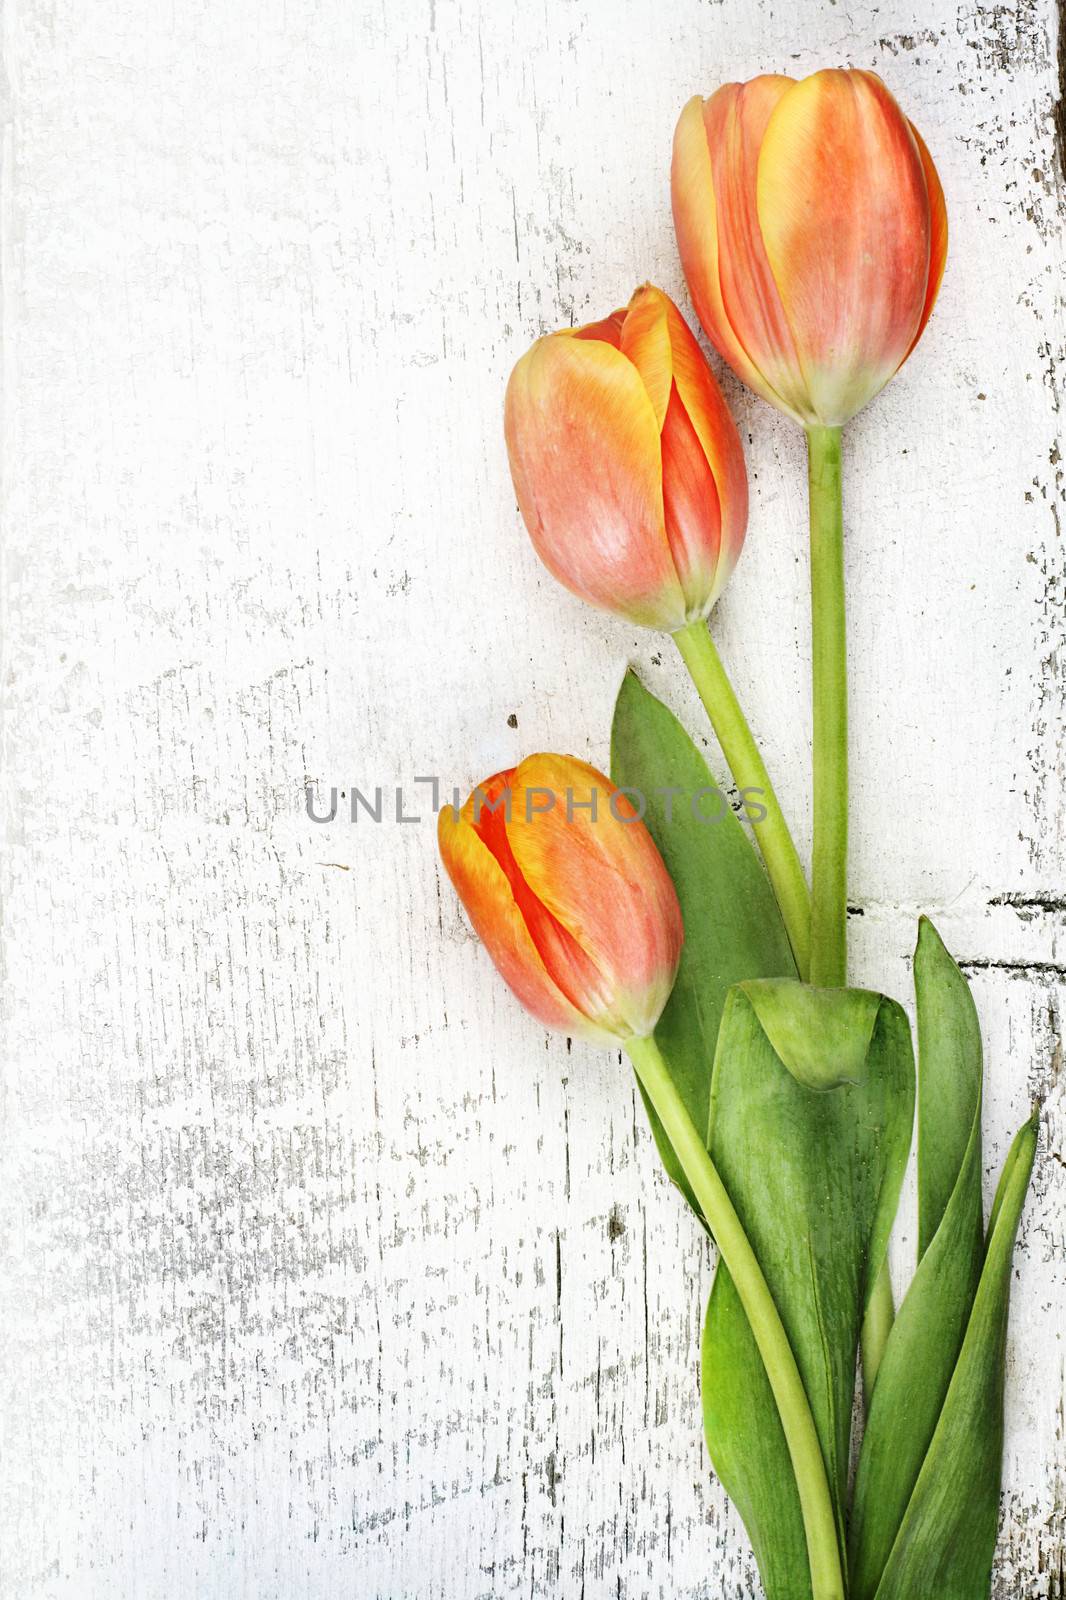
{"x":751,"y":778}
{"x":829,"y":905}
{"x":829,"y":864}
{"x":801,"y":1435}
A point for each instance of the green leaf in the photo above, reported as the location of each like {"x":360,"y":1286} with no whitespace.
{"x":927,"y":1486}
{"x":924,"y":1344}
{"x":949,"y":1081}
{"x":733,"y":929}
{"x":747,"y":1444}
{"x":947,"y":1538}
{"x":811,"y":1111}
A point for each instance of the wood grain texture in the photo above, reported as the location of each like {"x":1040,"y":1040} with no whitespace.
{"x":324,"y":1273}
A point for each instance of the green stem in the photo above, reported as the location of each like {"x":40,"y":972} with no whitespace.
{"x":829,"y":863}
{"x":750,"y":775}
{"x":876,"y":1327}
{"x":829,"y":906}
{"x":816,"y":1503}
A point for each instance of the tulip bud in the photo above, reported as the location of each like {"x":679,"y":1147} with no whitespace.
{"x":813,"y":233}
{"x":627,"y":465}
{"x":564,"y":884}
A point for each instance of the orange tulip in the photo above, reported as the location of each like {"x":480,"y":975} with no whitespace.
{"x":627,"y":465}
{"x":813,"y":234}
{"x":564,"y":884}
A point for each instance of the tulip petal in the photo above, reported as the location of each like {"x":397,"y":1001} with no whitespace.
{"x":700,"y":448}
{"x":583,"y":442}
{"x":608,"y":330}
{"x":646,"y":341}
{"x":735,"y":120}
{"x":696,"y":206}
{"x":482,"y":886}
{"x":938,"y":233}
{"x":692,"y":508}
{"x":844,"y":214}
{"x":567,"y":964}
{"x":602,"y":877}
{"x":719,"y":440}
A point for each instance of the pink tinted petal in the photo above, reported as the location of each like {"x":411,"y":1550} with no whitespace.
{"x":583,"y":443}
{"x":844,"y":215}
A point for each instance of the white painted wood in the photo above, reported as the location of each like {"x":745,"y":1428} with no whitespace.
{"x":324,"y":1273}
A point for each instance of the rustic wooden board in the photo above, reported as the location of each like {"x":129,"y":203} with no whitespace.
{"x":324,"y":1273}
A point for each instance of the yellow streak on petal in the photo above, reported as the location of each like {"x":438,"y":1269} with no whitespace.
{"x":603,"y":879}
{"x":695,"y":205}
{"x":482,"y":886}
{"x":646,"y":342}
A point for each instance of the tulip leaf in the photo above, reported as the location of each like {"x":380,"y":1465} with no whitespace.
{"x":924,"y":1344}
{"x":733,"y":928}
{"x":811,"y":1111}
{"x":949,"y":1081}
{"x":947,"y":1538}
{"x":927,"y":1488}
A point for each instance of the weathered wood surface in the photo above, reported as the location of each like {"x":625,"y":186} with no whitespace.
{"x":324,"y":1274}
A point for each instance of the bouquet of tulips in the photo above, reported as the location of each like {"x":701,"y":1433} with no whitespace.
{"x":813,"y":232}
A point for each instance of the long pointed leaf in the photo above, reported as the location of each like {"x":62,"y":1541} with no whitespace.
{"x":733,"y":928}
{"x":947,"y":1537}
{"x":747,"y":1446}
{"x":811,"y":1113}
{"x":924,"y":1344}
{"x":949,"y":1080}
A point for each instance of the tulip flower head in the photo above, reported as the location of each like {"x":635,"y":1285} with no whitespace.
{"x":813,"y":233}
{"x":564,"y":885}
{"x":627,"y":465}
